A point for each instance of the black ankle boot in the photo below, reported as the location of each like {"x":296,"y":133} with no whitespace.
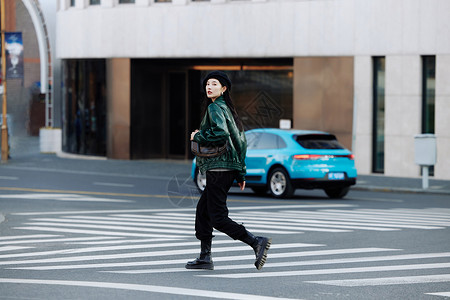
{"x":204,"y":261}
{"x":260,"y":245}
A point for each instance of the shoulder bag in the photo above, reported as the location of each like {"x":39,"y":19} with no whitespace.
{"x":208,"y":151}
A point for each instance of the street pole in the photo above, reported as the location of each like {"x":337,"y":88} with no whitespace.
{"x":4,"y":120}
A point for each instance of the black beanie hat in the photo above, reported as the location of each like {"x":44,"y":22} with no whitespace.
{"x":219,"y":75}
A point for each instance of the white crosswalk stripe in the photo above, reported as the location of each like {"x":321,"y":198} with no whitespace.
{"x":335,"y":271}
{"x":140,"y":241}
{"x":158,"y":253}
{"x":445,"y":294}
{"x":387,"y":280}
{"x":12,"y":248}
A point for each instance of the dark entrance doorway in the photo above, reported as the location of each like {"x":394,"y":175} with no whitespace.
{"x":158,"y":112}
{"x":166,"y":100}
{"x":176,"y":115}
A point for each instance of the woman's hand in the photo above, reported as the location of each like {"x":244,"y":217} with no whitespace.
{"x":193,"y":133}
{"x":241,"y":185}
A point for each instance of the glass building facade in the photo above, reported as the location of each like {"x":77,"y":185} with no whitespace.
{"x":378,"y":135}
{"x":165,"y":102}
{"x":84,"y":107}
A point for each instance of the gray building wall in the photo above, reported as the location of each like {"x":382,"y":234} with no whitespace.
{"x":400,"y":30}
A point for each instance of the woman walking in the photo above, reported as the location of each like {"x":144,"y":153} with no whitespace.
{"x":221,"y":125}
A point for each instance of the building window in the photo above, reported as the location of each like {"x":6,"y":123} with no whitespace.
{"x":126,"y":1}
{"x":428,"y":96}
{"x":428,"y":92}
{"x":72,"y":2}
{"x":378,"y":115}
{"x":157,"y":1}
{"x":94,"y":2}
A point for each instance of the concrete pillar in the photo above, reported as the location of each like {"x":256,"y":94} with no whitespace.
{"x":442,"y":119}
{"x":323,"y":95}
{"x":363,"y":116}
{"x":403,"y":107}
{"x":118,"y":106}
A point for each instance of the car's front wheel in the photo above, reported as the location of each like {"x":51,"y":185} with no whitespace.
{"x":337,"y":193}
{"x":200,"y":180}
{"x":279,"y":184}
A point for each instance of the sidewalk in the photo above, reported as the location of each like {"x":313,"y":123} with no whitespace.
{"x":381,"y":183}
{"x":26,"y":149}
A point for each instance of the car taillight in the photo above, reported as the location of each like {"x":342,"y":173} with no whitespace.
{"x":316,"y":156}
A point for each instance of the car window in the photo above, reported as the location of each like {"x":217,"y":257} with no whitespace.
{"x":251,"y":140}
{"x":263,"y":140}
{"x":318,"y":141}
{"x":280,"y":143}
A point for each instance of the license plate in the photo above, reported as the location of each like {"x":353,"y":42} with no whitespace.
{"x":336,"y":176}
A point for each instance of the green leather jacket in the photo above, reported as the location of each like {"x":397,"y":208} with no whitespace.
{"x":216,"y":128}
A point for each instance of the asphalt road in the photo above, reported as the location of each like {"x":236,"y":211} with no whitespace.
{"x":79,"y":229}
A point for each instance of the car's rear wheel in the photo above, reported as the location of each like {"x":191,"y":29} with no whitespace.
{"x":337,"y":193}
{"x":200,"y":180}
{"x":279,"y":184}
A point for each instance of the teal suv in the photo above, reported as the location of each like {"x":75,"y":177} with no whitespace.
{"x":280,"y":161}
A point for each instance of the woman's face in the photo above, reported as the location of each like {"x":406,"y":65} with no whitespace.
{"x":214,"y":89}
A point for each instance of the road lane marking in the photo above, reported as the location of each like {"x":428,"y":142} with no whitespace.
{"x":354,"y":216}
{"x":61,"y":197}
{"x":250,"y":257}
{"x":40,"y":170}
{"x":297,"y":263}
{"x":13,"y":248}
{"x":312,"y":224}
{"x":143,"y":288}
{"x":374,"y":199}
{"x":16,"y":237}
{"x":107,"y":248}
{"x":317,"y":217}
{"x":334,"y":271}
{"x":59,"y":227}
{"x":9,"y":178}
{"x":399,"y":215}
{"x":111,"y":227}
{"x":62,"y":240}
{"x":191,"y":209}
{"x":444,"y":294}
{"x":81,"y":192}
{"x":123,"y":241}
{"x":387,"y":281}
{"x":99,"y":223}
{"x":138,"y":218}
{"x":259,"y":225}
{"x":96,"y":232}
{"x":230,"y":199}
{"x":149,"y":224}
{"x":145,"y":254}
{"x":114,"y":184}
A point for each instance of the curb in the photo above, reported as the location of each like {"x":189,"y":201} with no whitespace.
{"x":399,"y":190}
{"x":62,"y":154}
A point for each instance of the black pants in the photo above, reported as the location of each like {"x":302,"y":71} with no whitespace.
{"x":212,"y":211}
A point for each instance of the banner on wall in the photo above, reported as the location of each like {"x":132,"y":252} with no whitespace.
{"x":14,"y":55}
